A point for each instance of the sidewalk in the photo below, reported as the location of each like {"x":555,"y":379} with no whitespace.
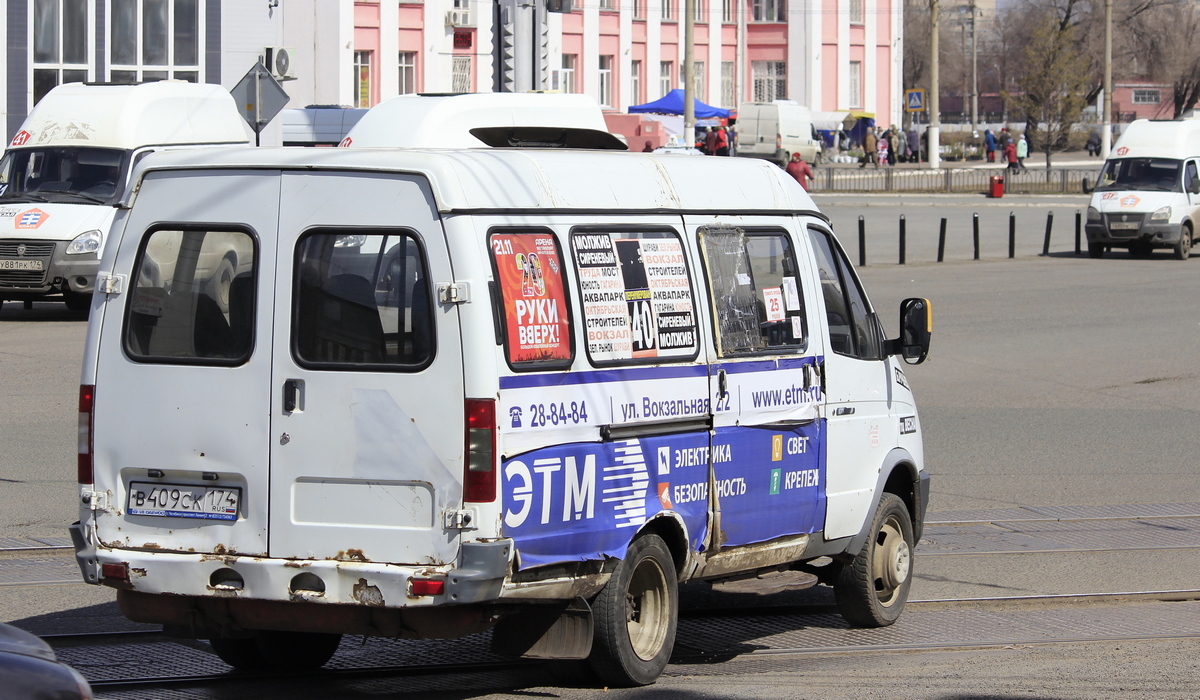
{"x":1035,"y":161}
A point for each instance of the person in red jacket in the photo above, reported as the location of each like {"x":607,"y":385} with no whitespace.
{"x":1010,"y":154}
{"x":798,"y":169}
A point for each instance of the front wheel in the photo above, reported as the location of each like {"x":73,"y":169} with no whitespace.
{"x":1183,"y":249}
{"x":871,"y":590}
{"x":636,"y":615}
{"x":1096,"y":250}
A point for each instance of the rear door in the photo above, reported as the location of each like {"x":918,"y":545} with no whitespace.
{"x":182,"y":404}
{"x":366,"y":390}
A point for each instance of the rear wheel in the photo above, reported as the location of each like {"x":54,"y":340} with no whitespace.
{"x":77,"y":301}
{"x":1183,"y":249}
{"x":1096,"y":250}
{"x":242,"y":653}
{"x":871,"y":590}
{"x":636,"y":615}
{"x":1140,"y":250}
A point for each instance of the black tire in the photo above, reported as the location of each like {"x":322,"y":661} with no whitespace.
{"x":871,"y":590}
{"x":636,"y":616}
{"x":243,"y":654}
{"x":1183,"y":248}
{"x":297,"y":651}
{"x":1140,"y":250}
{"x":1096,"y":250}
{"x":77,"y":301}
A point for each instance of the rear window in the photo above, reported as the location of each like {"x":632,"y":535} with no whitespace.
{"x":362,"y":301}
{"x":193,"y":298}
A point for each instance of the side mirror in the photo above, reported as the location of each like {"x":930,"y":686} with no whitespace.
{"x":1194,"y":185}
{"x":916,"y":327}
{"x":1087,"y":186}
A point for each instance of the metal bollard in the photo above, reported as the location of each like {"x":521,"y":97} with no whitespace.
{"x":1049,"y":226}
{"x":903,"y":236}
{"x":1079,"y":231}
{"x":975,"y":229}
{"x":1012,"y":235}
{"x":942,"y":241}
{"x":862,"y":242}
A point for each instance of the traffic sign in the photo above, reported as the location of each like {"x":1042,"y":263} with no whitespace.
{"x":914,"y":100}
{"x":259,"y":97}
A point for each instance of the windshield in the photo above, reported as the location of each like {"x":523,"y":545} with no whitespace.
{"x":63,"y":174}
{"x":1159,"y":174}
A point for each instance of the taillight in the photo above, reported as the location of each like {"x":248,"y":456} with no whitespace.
{"x":119,"y":572}
{"x":87,"y":399}
{"x":778,"y":141}
{"x":424,"y":586}
{"x":479,"y":479}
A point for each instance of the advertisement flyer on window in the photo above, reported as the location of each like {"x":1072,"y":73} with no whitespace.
{"x":637,"y":300}
{"x":535,"y":302}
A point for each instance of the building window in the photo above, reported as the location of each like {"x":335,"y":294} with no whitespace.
{"x":460,"y":74}
{"x":770,"y":80}
{"x":154,"y":40}
{"x":668,"y":9}
{"x":1147,"y":97}
{"x":362,"y":78}
{"x":855,"y":84}
{"x":606,"y":81}
{"x":408,"y":72}
{"x":728,"y":89}
{"x":698,"y":80}
{"x":639,"y":9}
{"x":768,"y":10}
{"x":635,"y":82}
{"x":665,"y":69}
{"x":856,"y":11}
{"x":568,"y":72}
{"x":608,"y":4}
{"x":727,"y":11}
{"x":698,"y":11}
{"x":60,"y":44}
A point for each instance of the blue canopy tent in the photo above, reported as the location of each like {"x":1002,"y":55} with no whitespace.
{"x":672,"y":103}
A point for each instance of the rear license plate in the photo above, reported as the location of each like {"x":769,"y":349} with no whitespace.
{"x":1124,"y":225}
{"x":184,"y":501}
{"x":20,"y":264}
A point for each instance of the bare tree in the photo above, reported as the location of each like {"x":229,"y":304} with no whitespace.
{"x":1158,"y":38}
{"x":1053,"y":83}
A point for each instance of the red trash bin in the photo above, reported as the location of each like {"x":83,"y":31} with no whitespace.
{"x":997,"y":186}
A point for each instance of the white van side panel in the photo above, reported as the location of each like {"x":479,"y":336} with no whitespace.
{"x":176,"y":418}
{"x":372,"y":459}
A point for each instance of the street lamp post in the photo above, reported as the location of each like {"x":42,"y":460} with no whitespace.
{"x":935,"y":120}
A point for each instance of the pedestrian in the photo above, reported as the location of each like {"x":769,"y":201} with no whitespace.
{"x":869,"y":144}
{"x":649,"y":148}
{"x":1022,"y":152}
{"x":710,"y":141}
{"x":1010,"y":154}
{"x":722,"y":141}
{"x":989,"y":142}
{"x":1093,"y":144}
{"x":893,"y":145}
{"x":882,"y":149}
{"x":1004,"y":138}
{"x":800,"y":170}
{"x":914,"y":144}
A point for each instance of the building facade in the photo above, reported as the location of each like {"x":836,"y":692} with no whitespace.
{"x":831,"y":55}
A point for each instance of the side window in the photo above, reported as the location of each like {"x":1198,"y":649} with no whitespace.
{"x":193,"y":298}
{"x":528,"y":268}
{"x":636,"y":296}
{"x":757,"y":300}
{"x":853,"y":330}
{"x":1189,"y":175}
{"x":362,"y":299}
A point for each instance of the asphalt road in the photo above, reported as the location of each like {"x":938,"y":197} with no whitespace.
{"x":1055,"y":380}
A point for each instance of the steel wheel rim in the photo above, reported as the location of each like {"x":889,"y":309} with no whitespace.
{"x":891,"y":561}
{"x":647,"y":609}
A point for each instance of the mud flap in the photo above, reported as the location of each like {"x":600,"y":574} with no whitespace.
{"x":546,"y":632}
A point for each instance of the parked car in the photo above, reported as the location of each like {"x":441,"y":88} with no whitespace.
{"x":29,"y":670}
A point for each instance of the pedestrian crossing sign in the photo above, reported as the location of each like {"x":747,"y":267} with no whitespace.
{"x":914,"y":100}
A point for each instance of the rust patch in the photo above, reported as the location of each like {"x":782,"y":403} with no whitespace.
{"x":352,"y":555}
{"x":367,"y":594}
{"x":136,"y":572}
{"x":221,"y":549}
{"x":293,"y":564}
{"x":151,"y":545}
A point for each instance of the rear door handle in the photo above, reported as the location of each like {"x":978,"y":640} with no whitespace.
{"x":293,"y":390}
{"x":843,"y":410}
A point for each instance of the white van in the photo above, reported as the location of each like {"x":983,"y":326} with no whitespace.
{"x":1148,"y":194}
{"x":776,"y":130}
{"x":530,"y":390}
{"x":69,"y":164}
